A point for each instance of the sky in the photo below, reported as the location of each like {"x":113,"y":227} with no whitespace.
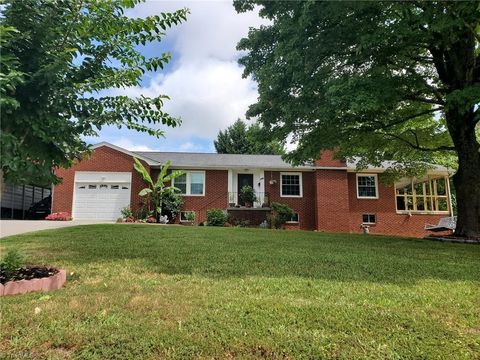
{"x":203,"y":79}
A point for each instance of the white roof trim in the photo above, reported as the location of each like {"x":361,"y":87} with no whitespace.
{"x":125,"y":151}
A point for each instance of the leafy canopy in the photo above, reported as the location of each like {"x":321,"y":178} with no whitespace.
{"x":239,"y":138}
{"x":60,"y":59}
{"x":364,"y":77}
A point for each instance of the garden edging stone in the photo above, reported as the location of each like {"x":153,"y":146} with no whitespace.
{"x":50,"y":283}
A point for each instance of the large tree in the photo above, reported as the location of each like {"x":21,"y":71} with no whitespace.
{"x":397,"y":80}
{"x":239,"y":138}
{"x":58,"y":58}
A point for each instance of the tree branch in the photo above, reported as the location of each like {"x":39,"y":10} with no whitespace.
{"x":429,"y":111}
{"x":417,"y":146}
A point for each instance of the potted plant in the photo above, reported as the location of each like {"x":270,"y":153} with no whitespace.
{"x":247,"y":195}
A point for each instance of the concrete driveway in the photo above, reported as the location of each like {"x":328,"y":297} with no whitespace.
{"x":15,"y":227}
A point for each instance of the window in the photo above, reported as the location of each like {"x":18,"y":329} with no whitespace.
{"x":103,"y":186}
{"x":369,"y":219}
{"x":91,"y":187}
{"x":124,"y":187}
{"x":295,"y":218}
{"x":81,"y":187}
{"x":367,"y":186}
{"x":181,"y":183}
{"x":191,"y":183}
{"x":187,"y":216}
{"x":429,"y":194}
{"x":291,"y":184}
{"x":114,"y":187}
{"x":196,"y":183}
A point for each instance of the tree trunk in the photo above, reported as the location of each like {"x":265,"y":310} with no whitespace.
{"x":467,"y":177}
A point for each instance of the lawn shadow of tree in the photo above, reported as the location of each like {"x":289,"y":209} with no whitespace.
{"x":227,"y":252}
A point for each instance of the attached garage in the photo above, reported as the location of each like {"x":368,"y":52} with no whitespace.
{"x":100,"y":195}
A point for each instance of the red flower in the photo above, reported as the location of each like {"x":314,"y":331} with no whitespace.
{"x":59,"y":216}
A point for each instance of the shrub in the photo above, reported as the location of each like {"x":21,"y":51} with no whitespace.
{"x":172,"y":203}
{"x":281,"y":213}
{"x":142,"y":213}
{"x":126,"y":212}
{"x":11,"y":263}
{"x":216,"y":217}
{"x":241,"y":223}
{"x":59,"y":216}
{"x":189,"y":216}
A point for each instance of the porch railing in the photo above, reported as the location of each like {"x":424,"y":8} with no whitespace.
{"x":235,"y":200}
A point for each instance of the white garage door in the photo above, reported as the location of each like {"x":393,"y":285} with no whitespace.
{"x":101,"y":195}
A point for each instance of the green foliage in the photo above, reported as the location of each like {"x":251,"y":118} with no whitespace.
{"x":156,"y":191}
{"x":189,"y":216}
{"x":172,"y":203}
{"x":281,"y":213}
{"x":216,"y":217}
{"x":126,"y":212}
{"x":240,"y":139}
{"x":396,"y":80}
{"x":247,"y":194}
{"x":62,"y":62}
{"x":10,"y":76}
{"x":12,"y":261}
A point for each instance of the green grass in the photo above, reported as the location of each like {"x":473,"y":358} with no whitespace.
{"x":140,"y":292}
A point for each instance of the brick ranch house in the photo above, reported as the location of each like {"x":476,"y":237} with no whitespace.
{"x":327,"y":195}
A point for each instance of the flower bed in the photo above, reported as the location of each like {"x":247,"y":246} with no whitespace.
{"x":33,"y":278}
{"x":59,"y":216}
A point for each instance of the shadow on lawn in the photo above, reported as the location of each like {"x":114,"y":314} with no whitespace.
{"x":227,"y":252}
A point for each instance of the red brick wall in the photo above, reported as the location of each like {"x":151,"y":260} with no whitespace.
{"x":304,"y":206}
{"x":216,"y":195}
{"x":327,"y":159}
{"x":103,"y":159}
{"x":253,"y":216}
{"x":388,"y":221}
{"x":332,"y":200}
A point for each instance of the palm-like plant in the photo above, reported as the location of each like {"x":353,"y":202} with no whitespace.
{"x":157,"y":189}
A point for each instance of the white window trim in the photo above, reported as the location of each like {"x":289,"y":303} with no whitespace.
{"x":300,"y":181}
{"x":376,"y":186}
{"x":184,"y":211}
{"x":189,"y":182}
{"x":294,"y":222}
{"x":368,"y":222}
{"x":448,"y":195}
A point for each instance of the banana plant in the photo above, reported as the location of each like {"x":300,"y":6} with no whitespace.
{"x":157,"y":189}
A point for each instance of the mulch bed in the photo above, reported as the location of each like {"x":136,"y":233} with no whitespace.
{"x":453,"y":239}
{"x":28,"y":273}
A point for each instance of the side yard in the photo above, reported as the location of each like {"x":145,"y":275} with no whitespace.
{"x":140,"y":291}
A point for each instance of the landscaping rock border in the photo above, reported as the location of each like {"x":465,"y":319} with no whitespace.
{"x":50,"y":283}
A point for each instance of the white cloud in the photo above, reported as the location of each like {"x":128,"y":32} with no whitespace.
{"x":207,"y":95}
{"x":205,"y":85}
{"x":129,"y":145}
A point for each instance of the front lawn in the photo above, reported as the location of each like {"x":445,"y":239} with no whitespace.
{"x":140,"y":292}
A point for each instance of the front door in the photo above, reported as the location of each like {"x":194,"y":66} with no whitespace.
{"x":242,"y":180}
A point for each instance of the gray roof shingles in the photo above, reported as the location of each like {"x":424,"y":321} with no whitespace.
{"x":221,"y":161}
